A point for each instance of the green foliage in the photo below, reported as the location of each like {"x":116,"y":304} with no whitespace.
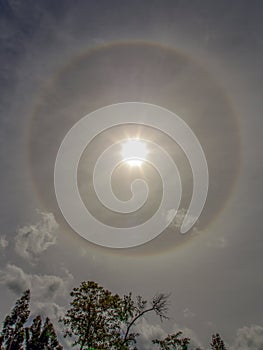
{"x":41,"y":337}
{"x":96,"y":320}
{"x":102,"y":320}
{"x":217,"y":342}
{"x":13,"y":332}
{"x":138,"y":309}
{"x":173,"y":342}
{"x":15,"y":336}
{"x":95,"y":317}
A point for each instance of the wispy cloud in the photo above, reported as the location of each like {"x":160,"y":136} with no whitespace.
{"x":3,"y":243}
{"x":33,"y":240}
{"x":188,"y":313}
{"x":217,"y":242}
{"x":249,"y":338}
{"x":176,"y":218}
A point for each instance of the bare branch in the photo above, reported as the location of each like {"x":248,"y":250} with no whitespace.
{"x":160,"y":305}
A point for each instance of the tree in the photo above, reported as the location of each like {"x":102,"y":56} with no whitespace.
{"x":13,"y":332}
{"x":173,"y":342}
{"x":217,"y":342}
{"x":94,"y":317}
{"x":15,"y":336}
{"x":98,"y":319}
{"x":41,"y":337}
{"x":138,"y":309}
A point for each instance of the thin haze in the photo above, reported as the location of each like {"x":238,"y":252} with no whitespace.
{"x":202,"y":60}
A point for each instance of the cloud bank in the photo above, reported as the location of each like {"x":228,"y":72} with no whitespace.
{"x":249,"y":338}
{"x":44,"y":287}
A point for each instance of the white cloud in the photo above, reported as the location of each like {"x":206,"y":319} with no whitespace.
{"x":32,"y":240}
{"x":249,"y":338}
{"x":148,"y":332}
{"x":217,"y":242}
{"x":188,"y":313}
{"x":43,"y":287}
{"x":46,"y":292}
{"x":54,"y":312}
{"x":188,"y":333}
{"x":3,"y":243}
{"x":176,"y":218}
{"x":48,"y":309}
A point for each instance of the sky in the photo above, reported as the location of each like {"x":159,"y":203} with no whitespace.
{"x":195,"y":65}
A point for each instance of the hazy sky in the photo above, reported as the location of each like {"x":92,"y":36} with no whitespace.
{"x":199,"y":59}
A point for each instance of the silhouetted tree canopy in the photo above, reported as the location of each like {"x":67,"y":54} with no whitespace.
{"x":41,"y":336}
{"x":16,"y":336}
{"x":96,"y":319}
{"x":217,"y":343}
{"x":102,"y":320}
{"x":173,"y":342}
{"x":13,"y":332}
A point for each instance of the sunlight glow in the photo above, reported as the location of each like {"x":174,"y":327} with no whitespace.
{"x":134,"y":152}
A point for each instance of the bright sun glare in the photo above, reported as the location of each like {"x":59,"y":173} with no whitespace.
{"x":134,"y":152}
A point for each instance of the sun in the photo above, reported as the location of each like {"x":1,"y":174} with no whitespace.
{"x":134,"y":152}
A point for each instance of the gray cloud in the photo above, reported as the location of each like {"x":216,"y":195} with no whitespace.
{"x":189,"y":333}
{"x":48,"y":309}
{"x":148,"y":332}
{"x":46,"y":292}
{"x":43,"y":287}
{"x":15,"y":279}
{"x":32,"y":240}
{"x":3,"y":243}
{"x":249,"y":338}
